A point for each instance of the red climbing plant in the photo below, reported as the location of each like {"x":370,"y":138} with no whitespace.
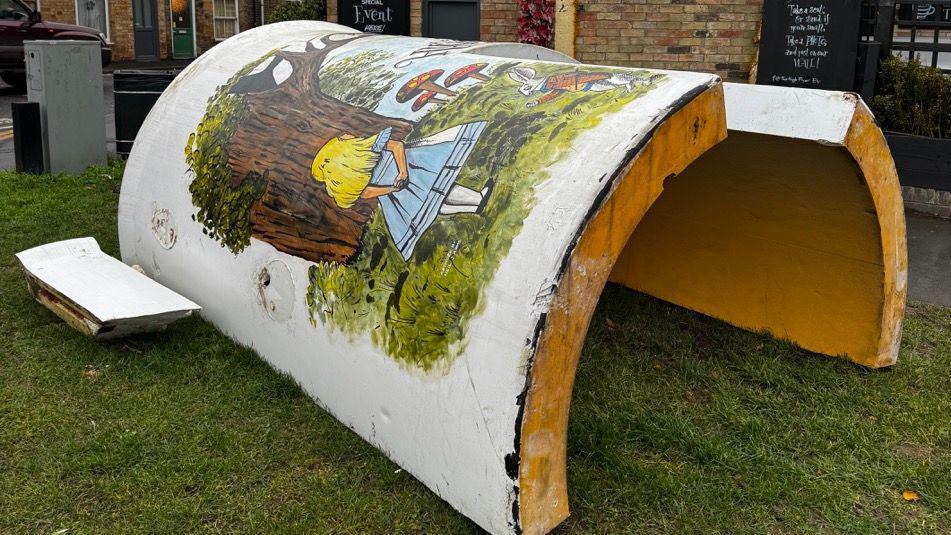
{"x":536,"y":21}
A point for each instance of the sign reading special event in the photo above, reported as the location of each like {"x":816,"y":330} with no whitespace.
{"x":809,"y":43}
{"x":390,"y":17}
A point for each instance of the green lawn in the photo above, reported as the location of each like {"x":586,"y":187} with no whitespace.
{"x":680,"y":423}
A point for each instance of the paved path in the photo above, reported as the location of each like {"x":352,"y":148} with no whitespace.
{"x":929,"y":259}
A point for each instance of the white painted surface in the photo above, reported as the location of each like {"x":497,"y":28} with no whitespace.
{"x":451,"y":427}
{"x":521,"y":51}
{"x":105,"y":287}
{"x":810,"y":114}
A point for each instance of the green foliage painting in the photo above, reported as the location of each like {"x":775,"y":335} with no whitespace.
{"x":346,"y":80}
{"x":222,"y":209}
{"x":354,"y":150}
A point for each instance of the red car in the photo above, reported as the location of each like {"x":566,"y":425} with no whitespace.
{"x":19,"y":23}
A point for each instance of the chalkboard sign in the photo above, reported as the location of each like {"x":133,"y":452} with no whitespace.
{"x":809,"y":43}
{"x":375,"y":16}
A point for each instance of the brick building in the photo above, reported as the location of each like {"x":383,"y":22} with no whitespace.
{"x":482,"y":20}
{"x":697,"y":35}
{"x":701,"y":35}
{"x":158,"y":29}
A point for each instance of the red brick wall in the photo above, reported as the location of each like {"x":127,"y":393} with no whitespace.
{"x":204,"y":20}
{"x":163,"y":8}
{"x":120,"y":22}
{"x":698,"y":35}
{"x":121,"y":25}
{"x":499,"y":20}
{"x":415,"y":16}
{"x":59,"y":10}
{"x":120,"y":31}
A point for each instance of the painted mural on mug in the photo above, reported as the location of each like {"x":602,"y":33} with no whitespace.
{"x":403,"y":177}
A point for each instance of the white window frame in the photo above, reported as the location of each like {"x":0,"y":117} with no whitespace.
{"x":215,"y":17}
{"x":108,"y":31}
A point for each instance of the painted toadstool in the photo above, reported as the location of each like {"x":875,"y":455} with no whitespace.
{"x":420,"y":83}
{"x":427,"y":97}
{"x":473,"y":71}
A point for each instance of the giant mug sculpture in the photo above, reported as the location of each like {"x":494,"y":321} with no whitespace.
{"x":418,"y":230}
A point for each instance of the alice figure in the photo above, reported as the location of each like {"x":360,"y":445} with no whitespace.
{"x":413,"y":182}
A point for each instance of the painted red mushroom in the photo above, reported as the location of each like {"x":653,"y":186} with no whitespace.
{"x":420,"y":83}
{"x":427,"y":97}
{"x":473,"y":71}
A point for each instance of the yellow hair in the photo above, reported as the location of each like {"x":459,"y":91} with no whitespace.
{"x":345,"y":166}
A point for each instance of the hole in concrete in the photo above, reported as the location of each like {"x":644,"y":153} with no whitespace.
{"x":275,"y":290}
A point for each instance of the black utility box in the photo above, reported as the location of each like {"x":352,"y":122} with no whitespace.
{"x":135,"y":93}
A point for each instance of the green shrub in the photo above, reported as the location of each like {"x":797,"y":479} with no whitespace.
{"x":299,"y":10}
{"x":912,"y":99}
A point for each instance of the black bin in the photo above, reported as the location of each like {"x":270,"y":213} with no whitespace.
{"x":27,"y":137}
{"x":135,"y":93}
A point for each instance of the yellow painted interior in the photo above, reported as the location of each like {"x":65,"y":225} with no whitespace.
{"x":774,"y":234}
{"x":798,"y":238}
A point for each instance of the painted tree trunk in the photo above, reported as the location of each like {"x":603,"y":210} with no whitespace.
{"x":279,"y":141}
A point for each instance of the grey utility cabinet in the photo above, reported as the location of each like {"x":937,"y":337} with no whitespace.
{"x":65,"y":77}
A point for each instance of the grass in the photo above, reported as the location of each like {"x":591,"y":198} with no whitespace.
{"x":680,"y":423}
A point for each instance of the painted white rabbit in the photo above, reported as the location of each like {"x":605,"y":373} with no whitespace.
{"x":556,"y":85}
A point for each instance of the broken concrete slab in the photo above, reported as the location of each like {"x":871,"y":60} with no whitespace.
{"x":96,"y":294}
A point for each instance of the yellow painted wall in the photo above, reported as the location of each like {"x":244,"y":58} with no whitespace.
{"x":772,"y":234}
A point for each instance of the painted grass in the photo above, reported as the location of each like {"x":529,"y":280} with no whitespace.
{"x":680,"y":424}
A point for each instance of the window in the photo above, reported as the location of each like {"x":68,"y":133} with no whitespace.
{"x":226,"y":18}
{"x":142,"y":14}
{"x":93,"y":14}
{"x":10,"y":10}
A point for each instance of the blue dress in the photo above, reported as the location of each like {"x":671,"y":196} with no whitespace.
{"x":433,"y":164}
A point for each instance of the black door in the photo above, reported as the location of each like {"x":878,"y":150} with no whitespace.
{"x":145,"y":17}
{"x":451,"y":19}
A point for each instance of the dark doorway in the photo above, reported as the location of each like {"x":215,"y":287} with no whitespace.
{"x":451,"y":19}
{"x":145,"y":18}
